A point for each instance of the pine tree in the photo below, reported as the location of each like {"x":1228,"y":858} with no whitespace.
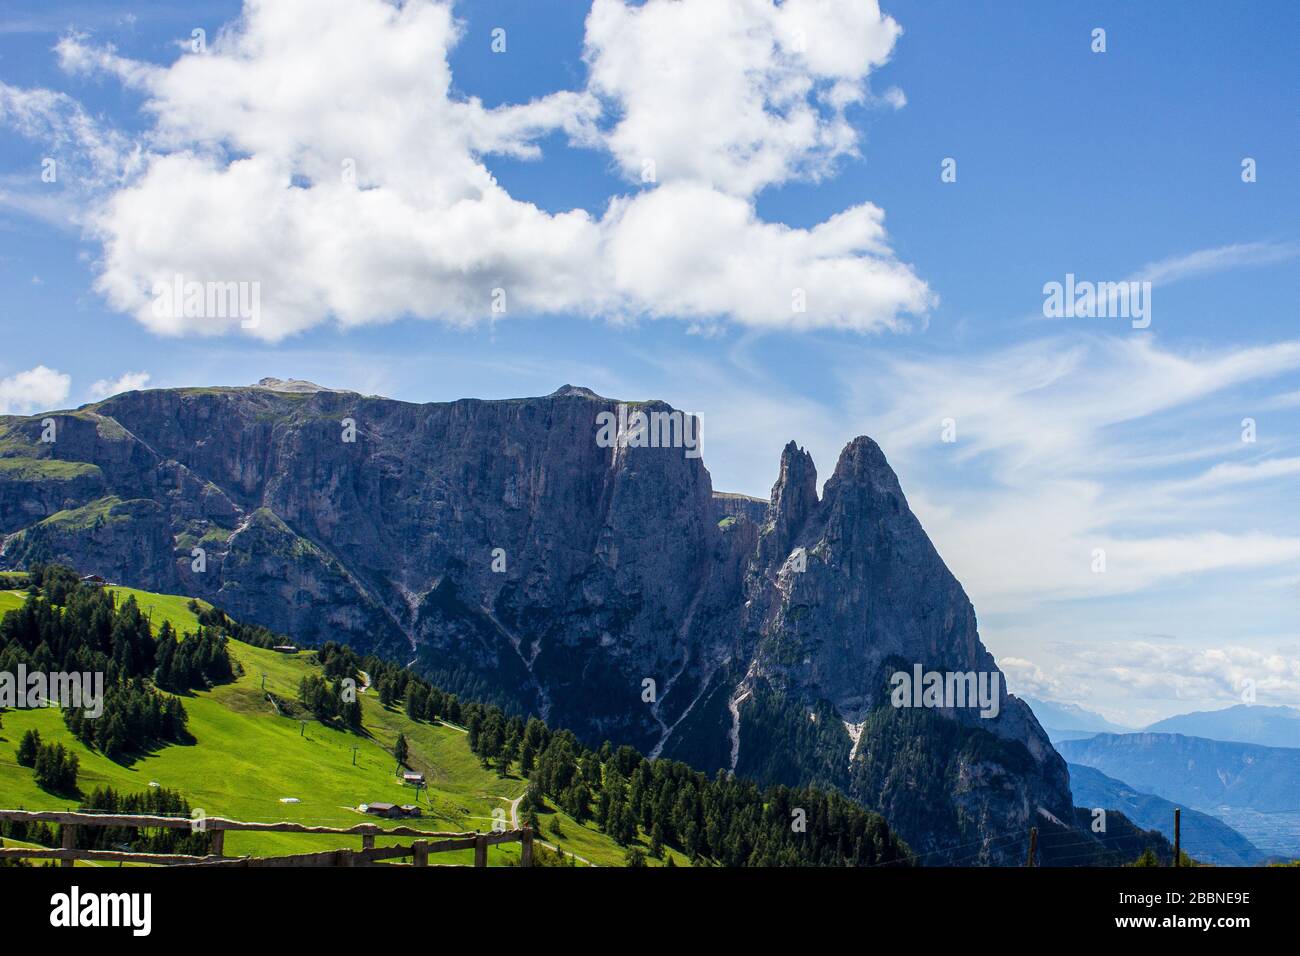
{"x":28,"y":748}
{"x":352,"y":714}
{"x":526,"y":758}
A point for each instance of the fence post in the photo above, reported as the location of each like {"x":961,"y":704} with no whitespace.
{"x":480,"y":850}
{"x":526,"y":847}
{"x":420,"y":851}
{"x":69,"y":842}
{"x":218,"y":842}
{"x":1178,"y":837}
{"x":367,"y":841}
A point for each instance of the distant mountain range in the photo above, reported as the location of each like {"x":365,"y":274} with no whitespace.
{"x":1253,"y":789}
{"x":1070,"y":721}
{"x":1204,"y":837}
{"x":1195,"y":772}
{"x":1244,"y":723}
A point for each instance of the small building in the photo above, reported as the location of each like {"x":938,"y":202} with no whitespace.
{"x":410,"y":810}
{"x":383,"y":809}
{"x":93,"y":580}
{"x":413,"y":778}
{"x":285,"y":649}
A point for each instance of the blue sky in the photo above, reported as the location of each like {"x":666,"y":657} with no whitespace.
{"x":1071,"y":434}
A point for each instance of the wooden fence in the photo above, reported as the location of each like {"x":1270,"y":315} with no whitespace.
{"x":419,"y":849}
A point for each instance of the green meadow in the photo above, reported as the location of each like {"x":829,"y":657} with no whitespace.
{"x":250,"y":763}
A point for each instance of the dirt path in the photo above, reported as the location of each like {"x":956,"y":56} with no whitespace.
{"x":514,"y":811}
{"x":514,"y":824}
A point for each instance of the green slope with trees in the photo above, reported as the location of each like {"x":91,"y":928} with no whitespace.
{"x":203,"y":718}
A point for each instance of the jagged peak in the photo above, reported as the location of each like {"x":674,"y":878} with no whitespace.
{"x":862,"y":464}
{"x":794,"y":496}
{"x":797,"y":472}
{"x":862,"y":457}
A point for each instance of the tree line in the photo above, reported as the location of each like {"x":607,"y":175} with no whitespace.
{"x":718,"y":820}
{"x":67,"y":626}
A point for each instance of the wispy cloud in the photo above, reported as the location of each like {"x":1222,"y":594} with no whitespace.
{"x":1220,"y":259}
{"x":1065,"y":446}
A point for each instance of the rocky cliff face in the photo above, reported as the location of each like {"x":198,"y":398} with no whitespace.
{"x":509,"y":554}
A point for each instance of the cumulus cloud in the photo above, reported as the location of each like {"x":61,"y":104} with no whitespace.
{"x":736,"y":95}
{"x":36,"y":389}
{"x":685,"y":249}
{"x":321,"y":150}
{"x":126,"y":382}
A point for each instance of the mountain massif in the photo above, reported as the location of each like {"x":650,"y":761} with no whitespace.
{"x":513,"y":556}
{"x":1200,"y":773}
{"x":1070,"y":721}
{"x":1253,"y":789}
{"x":1243,"y":723}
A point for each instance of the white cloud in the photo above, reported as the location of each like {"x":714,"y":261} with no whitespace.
{"x":1178,"y":672}
{"x":1145,"y":680}
{"x":691,"y":251}
{"x":1225,"y":474}
{"x":1285,"y":400}
{"x":78,"y":152}
{"x":1046,"y":405}
{"x":245,"y":171}
{"x":734,"y":95}
{"x":36,"y":389}
{"x":1068,"y":445}
{"x":1219,"y":259}
{"x":126,"y":382}
{"x":1027,"y":679}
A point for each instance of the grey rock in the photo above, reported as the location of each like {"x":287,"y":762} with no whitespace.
{"x":506,"y":553}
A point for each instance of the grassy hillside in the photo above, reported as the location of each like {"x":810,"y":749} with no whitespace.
{"x":10,"y":600}
{"x":247,"y":759}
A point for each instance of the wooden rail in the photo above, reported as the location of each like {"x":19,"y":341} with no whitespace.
{"x":429,"y":841}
